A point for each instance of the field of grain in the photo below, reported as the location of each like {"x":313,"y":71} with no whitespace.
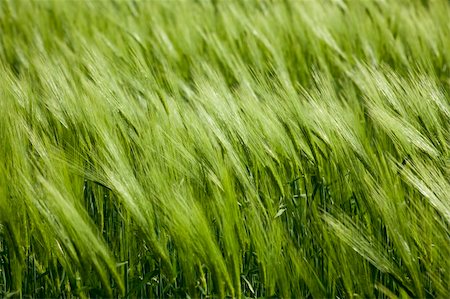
{"x":212,"y":149}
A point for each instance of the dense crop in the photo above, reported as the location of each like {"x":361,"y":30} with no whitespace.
{"x":225,"y":148}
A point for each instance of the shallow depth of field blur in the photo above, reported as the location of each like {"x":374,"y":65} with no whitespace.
{"x":211,"y":149}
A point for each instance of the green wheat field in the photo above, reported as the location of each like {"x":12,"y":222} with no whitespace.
{"x":225,"y":149}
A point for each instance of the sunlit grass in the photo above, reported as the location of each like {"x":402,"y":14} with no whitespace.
{"x":225,"y":149}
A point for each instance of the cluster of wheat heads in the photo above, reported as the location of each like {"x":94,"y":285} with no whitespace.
{"x":225,"y":149}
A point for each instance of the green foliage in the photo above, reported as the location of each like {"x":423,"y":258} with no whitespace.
{"x":225,"y":149}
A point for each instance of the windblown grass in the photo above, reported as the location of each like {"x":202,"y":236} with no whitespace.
{"x":225,"y":148}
